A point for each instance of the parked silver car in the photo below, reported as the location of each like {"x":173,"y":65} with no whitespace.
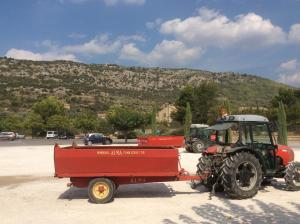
{"x":7,"y":136}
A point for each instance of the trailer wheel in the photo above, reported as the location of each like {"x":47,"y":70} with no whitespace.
{"x":292,"y":176}
{"x":101,"y":190}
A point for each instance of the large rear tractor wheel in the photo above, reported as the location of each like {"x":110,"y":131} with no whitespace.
{"x":198,"y":146}
{"x":292,"y":176}
{"x":241,"y":175}
{"x":205,"y":168}
{"x":101,"y":190}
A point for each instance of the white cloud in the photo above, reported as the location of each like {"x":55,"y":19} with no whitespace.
{"x":99,"y":45}
{"x":135,"y":37}
{"x":166,"y":53}
{"x":152,"y":25}
{"x":293,"y":79}
{"x":294,"y":34}
{"x":210,"y":28}
{"x":127,"y":2}
{"x":131,"y":52}
{"x":207,"y":29}
{"x":290,"y":65}
{"x":74,"y":1}
{"x":207,"y":14}
{"x":48,"y":56}
{"x":290,"y":72}
{"x":107,"y":2}
{"x":77,"y":36}
{"x":102,"y":44}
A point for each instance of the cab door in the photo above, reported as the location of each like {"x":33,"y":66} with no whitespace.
{"x":263,"y":143}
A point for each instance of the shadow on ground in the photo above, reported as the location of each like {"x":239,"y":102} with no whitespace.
{"x":74,"y":193}
{"x":232,"y":213}
{"x":148,"y":190}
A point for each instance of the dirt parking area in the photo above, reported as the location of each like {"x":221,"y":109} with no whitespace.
{"x":30,"y":194}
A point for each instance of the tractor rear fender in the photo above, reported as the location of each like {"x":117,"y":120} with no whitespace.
{"x":245,"y":149}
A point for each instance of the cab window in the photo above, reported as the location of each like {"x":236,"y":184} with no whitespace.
{"x":193,"y":132}
{"x":245,"y":137}
{"x":260,"y":134}
{"x":228,"y":136}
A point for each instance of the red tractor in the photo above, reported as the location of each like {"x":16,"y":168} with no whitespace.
{"x":244,"y":156}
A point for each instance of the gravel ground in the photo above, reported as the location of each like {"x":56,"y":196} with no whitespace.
{"x":30,"y":194}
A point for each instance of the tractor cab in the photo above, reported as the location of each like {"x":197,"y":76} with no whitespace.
{"x":244,"y":156}
{"x":247,"y":132}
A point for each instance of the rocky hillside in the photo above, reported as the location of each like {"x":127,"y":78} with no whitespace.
{"x":98,"y":86}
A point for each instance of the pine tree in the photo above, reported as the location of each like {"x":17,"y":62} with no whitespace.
{"x":282,"y":126}
{"x":187,"y":119}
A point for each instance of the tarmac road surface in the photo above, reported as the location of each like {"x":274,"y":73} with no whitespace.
{"x":42,"y":141}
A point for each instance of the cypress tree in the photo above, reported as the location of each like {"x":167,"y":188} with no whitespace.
{"x":187,"y":119}
{"x":227,"y":107}
{"x":153,"y":121}
{"x":282,"y":126}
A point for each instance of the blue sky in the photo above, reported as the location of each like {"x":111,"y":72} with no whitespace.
{"x":260,"y":37}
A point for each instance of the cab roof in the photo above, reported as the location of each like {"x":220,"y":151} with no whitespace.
{"x":199,"y":125}
{"x":244,"y":118}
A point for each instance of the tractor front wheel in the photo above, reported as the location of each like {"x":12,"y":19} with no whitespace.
{"x":198,"y":146}
{"x":205,"y":168}
{"x":101,"y":190}
{"x":292,"y":176}
{"x":241,"y":175}
{"x":188,"y":148}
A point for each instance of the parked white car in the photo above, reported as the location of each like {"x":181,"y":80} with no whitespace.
{"x":20,"y":136}
{"x":52,"y":134}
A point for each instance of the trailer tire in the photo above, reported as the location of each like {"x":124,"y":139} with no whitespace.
{"x":241,"y":175}
{"x":292,"y":176}
{"x":101,"y":190}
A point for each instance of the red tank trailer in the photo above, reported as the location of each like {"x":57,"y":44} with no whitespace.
{"x":103,"y":168}
{"x":175,"y":141}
